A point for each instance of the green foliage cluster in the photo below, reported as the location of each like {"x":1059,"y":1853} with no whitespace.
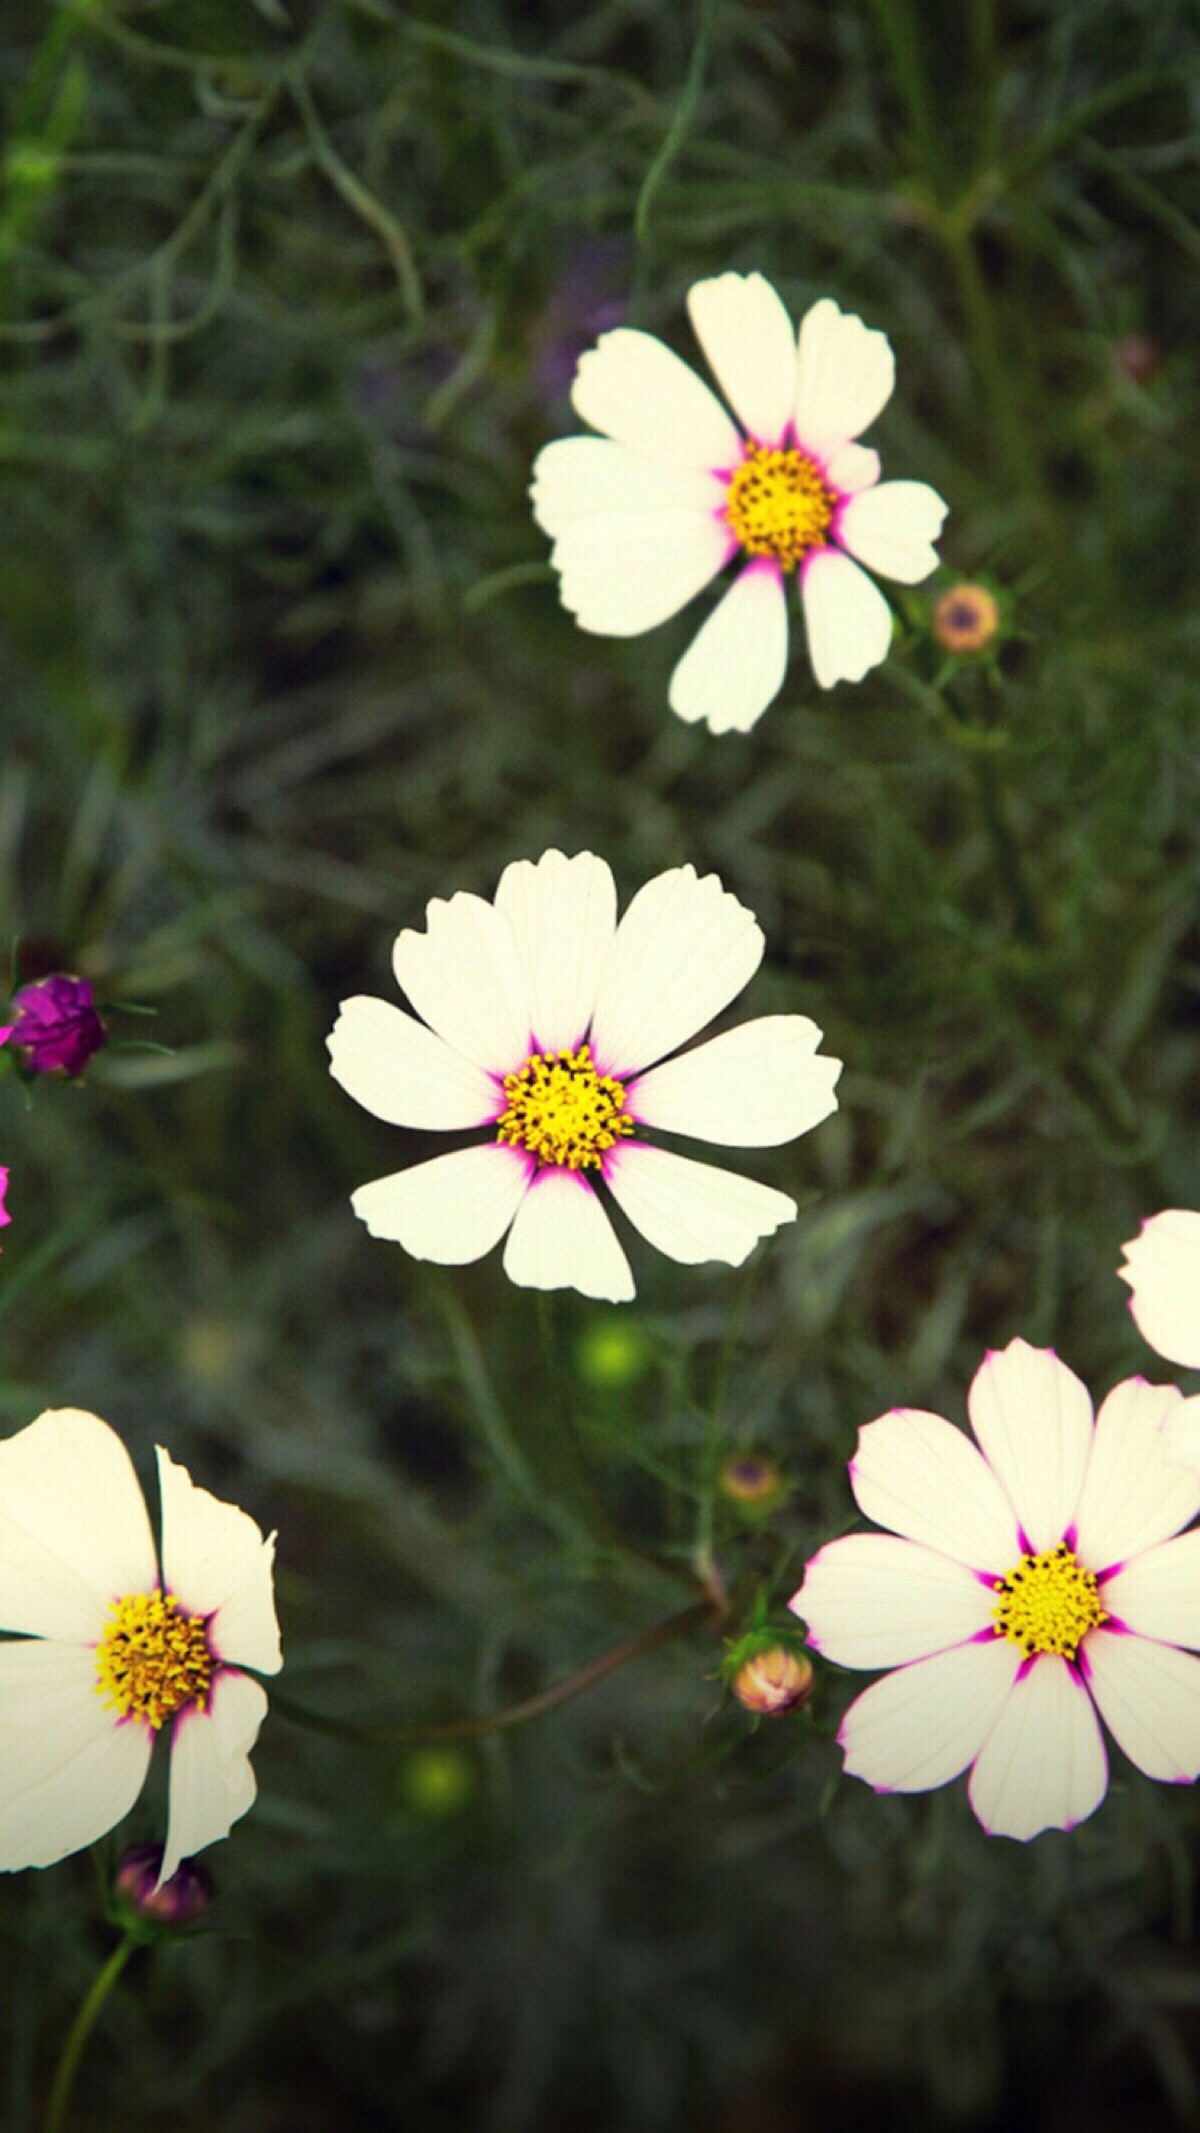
{"x":289,"y":295}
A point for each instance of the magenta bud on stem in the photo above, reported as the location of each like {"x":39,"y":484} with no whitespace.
{"x":177,"y":1902}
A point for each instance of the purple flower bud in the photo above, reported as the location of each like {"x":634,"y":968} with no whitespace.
{"x":57,"y":1026}
{"x":5,"y":1217}
{"x":179,"y":1902}
{"x":586,"y":301}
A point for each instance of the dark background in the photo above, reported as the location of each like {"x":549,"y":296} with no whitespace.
{"x":290,"y":297}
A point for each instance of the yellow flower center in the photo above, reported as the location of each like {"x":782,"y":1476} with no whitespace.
{"x":152,"y":1658}
{"x":1049,"y":1603}
{"x":562,"y":1111}
{"x":779,"y":504}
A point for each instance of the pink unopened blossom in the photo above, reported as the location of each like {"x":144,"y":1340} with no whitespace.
{"x":58,"y":1026}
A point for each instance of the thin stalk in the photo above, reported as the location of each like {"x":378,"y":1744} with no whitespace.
{"x":1035,"y":994}
{"x":1010,"y":865}
{"x":711,"y":1608}
{"x":677,"y":131}
{"x":79,"y":2032}
{"x":958,"y":236}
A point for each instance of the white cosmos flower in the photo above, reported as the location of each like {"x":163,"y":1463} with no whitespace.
{"x":1162,"y":1267}
{"x":109,"y":1652}
{"x":1022,"y":1592}
{"x":543,"y":1020}
{"x":645,"y":515}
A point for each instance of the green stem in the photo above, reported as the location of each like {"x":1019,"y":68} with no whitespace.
{"x":79,"y":2032}
{"x":677,"y":131}
{"x":1035,"y":994}
{"x":1010,"y":865}
{"x":995,"y":372}
{"x":711,"y":1608}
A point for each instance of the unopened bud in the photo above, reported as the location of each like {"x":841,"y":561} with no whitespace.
{"x":750,"y":1478}
{"x":58,"y":1026}
{"x":612,"y":1353}
{"x":773,"y":1681}
{"x":966,"y":618}
{"x":176,"y":1903}
{"x":1138,"y":356}
{"x":437,"y":1782}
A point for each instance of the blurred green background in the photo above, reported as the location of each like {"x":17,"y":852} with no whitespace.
{"x":290,"y":297}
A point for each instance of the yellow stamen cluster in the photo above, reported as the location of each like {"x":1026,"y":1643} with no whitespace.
{"x":1050,"y":1602}
{"x":562,"y":1111}
{"x":152,"y":1658}
{"x":779,"y":503}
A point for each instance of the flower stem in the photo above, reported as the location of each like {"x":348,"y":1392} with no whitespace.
{"x":712,"y":1608}
{"x":81,"y":2029}
{"x":1010,"y":866}
{"x":1034,"y":990}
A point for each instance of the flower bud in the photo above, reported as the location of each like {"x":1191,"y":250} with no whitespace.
{"x":5,"y":1217}
{"x":179,"y":1902}
{"x":57,"y":1026}
{"x":966,"y":618}
{"x":1138,"y":357}
{"x":437,"y":1782}
{"x":750,"y":1478}
{"x":612,"y":1353}
{"x":773,"y":1681}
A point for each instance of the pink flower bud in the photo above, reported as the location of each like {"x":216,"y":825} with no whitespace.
{"x":57,"y":1025}
{"x":179,"y":1902}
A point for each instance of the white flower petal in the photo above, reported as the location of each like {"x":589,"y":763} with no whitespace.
{"x":1162,"y":1267}
{"x":402,"y":1072}
{"x":922,"y":1725}
{"x":682,"y":952}
{"x":1181,"y":1434}
{"x":1135,"y":1494}
{"x":892,"y":529}
{"x":844,"y":376}
{"x":871,"y":1600}
{"x":691,"y":1211}
{"x":68,"y":1771}
{"x":917,"y":1475}
{"x":851,"y":468}
{"x":1148,"y":1695}
{"x":451,"y":1210}
{"x":745,"y":331}
{"x":735,"y":664}
{"x":464,"y":978}
{"x":848,"y":621}
{"x":562,"y":1239}
{"x":562,"y":914}
{"x":212,"y":1784}
{"x":1043,"y":1764}
{"x":631,"y":387}
{"x":1158,"y":1594}
{"x":753,"y":1087}
{"x":76,"y":1530}
{"x":1033,"y":1421}
{"x":623,"y":572}
{"x":217,"y":1563}
{"x":580,"y":476}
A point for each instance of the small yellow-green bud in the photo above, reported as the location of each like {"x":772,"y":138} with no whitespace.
{"x":966,"y":618}
{"x":437,"y":1782}
{"x":612,"y":1353}
{"x":751,"y":1478}
{"x":773,"y":1681}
